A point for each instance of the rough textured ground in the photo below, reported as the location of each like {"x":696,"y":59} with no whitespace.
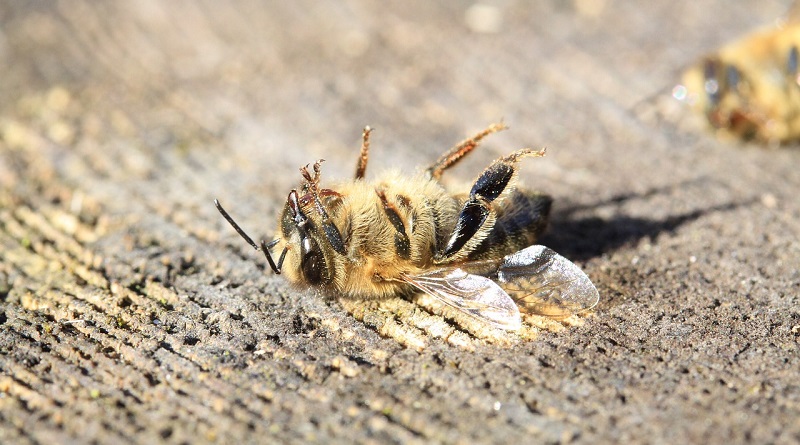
{"x":130,"y":312}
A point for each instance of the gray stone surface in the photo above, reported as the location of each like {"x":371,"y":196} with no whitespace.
{"x":131,"y":313}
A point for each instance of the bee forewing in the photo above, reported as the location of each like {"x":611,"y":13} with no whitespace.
{"x":474,"y":295}
{"x":543,"y":282}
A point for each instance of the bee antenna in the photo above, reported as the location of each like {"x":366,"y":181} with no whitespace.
{"x":264,"y":245}
{"x":265,"y":248}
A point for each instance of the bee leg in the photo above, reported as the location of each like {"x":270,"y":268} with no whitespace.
{"x":452,"y":156}
{"x":332,"y":234}
{"x":402,"y":245}
{"x":477,"y":216}
{"x":361,"y":166}
{"x":312,"y":182}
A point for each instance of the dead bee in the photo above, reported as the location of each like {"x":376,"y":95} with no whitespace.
{"x":376,"y":239}
{"x":750,"y":88}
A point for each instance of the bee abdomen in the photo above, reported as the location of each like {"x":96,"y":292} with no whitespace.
{"x":520,"y":222}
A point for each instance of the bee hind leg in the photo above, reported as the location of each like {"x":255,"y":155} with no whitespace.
{"x":477,"y":216}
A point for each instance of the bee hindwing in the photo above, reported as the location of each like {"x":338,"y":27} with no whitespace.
{"x":474,"y":295}
{"x":543,"y":282}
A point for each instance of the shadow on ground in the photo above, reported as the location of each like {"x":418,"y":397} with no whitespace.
{"x":584,"y":238}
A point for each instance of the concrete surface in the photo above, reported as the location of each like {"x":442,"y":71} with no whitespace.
{"x":131,"y":312}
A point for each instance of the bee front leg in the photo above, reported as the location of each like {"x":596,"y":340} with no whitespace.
{"x":477,"y":216}
{"x":332,"y":233}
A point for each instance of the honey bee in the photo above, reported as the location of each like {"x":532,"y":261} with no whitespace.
{"x":750,"y":89}
{"x":399,"y":234}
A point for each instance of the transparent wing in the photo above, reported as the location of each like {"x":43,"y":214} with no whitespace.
{"x":543,"y":282}
{"x":473,"y":295}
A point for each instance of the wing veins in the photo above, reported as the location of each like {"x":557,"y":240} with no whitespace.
{"x":473,"y":295}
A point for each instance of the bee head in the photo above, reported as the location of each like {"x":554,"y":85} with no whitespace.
{"x":311,"y":262}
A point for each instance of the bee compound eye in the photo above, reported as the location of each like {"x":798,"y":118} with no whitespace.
{"x":315,"y":270}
